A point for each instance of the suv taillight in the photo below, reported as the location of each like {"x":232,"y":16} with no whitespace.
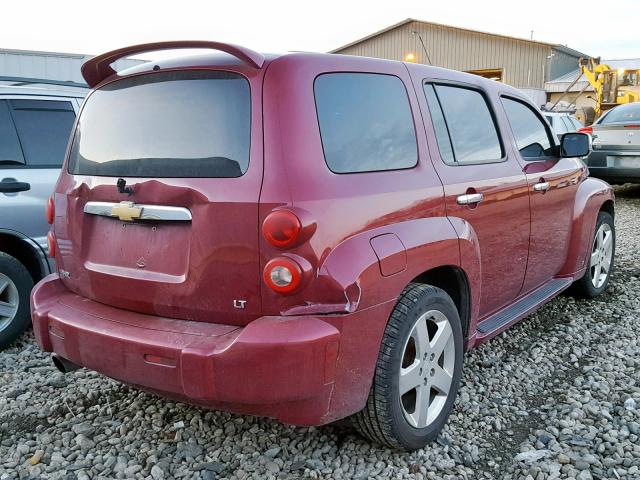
{"x":588,"y":130}
{"x":50,"y":212}
{"x":281,"y":228}
{"x":51,"y":243}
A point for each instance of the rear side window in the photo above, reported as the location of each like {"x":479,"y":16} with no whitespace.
{"x":43,"y":127}
{"x":365,"y":122}
{"x":166,"y":124}
{"x":530,"y":132}
{"x":10,"y":151}
{"x":465,"y":130}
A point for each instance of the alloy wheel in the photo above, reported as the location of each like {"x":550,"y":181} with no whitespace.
{"x":9,"y":301}
{"x":426,"y":372}
{"x":601,"y":255}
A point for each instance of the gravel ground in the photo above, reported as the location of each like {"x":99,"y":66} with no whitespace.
{"x":557,"y":396}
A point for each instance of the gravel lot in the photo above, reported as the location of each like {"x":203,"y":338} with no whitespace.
{"x":557,"y":396}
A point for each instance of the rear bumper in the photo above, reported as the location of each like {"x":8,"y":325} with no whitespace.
{"x":283,"y":367}
{"x":610,"y":170}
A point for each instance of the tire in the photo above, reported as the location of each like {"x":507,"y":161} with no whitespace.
{"x":15,"y":287}
{"x":587,"y":286}
{"x":390,"y":418}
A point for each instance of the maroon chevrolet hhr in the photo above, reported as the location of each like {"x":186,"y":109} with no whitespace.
{"x":310,"y":236}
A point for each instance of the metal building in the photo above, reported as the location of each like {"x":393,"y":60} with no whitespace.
{"x":522,"y":63}
{"x":60,"y":67}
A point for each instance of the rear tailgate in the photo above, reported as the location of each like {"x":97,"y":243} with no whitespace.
{"x":617,"y":136}
{"x":185,"y":245}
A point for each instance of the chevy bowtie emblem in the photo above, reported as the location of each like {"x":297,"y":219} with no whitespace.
{"x":126,"y":211}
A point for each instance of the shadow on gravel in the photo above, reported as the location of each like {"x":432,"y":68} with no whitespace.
{"x":628,"y":190}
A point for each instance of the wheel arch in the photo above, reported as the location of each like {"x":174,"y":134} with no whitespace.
{"x":609,"y":207}
{"x":26,"y":251}
{"x":454,"y":281}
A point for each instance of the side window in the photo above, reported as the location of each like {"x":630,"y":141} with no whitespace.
{"x":568,"y":125}
{"x":576,"y":122}
{"x":43,"y":127}
{"x":10,"y":151}
{"x":559,"y":127}
{"x":530,"y":132}
{"x":440,"y":126}
{"x":365,"y":122}
{"x":465,"y":129}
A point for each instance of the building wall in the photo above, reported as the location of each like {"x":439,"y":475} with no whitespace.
{"x":48,"y":65}
{"x":561,"y":63}
{"x":523,"y":62}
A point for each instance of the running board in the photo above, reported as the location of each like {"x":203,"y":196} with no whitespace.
{"x":501,"y":320}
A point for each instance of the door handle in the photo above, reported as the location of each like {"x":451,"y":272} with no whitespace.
{"x":470,"y":199}
{"x":541,"y":186}
{"x":10,"y":185}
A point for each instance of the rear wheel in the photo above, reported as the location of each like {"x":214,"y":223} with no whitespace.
{"x":601,"y":260}
{"x":417,"y":373}
{"x":15,"y":288}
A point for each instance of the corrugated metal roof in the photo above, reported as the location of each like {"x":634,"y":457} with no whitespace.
{"x":561,"y":83}
{"x":564,"y":48}
{"x":49,"y":65}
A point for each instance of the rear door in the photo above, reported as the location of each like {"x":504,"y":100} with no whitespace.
{"x":186,"y":149}
{"x":484,"y":185}
{"x":34,"y":133}
{"x":552,"y":184}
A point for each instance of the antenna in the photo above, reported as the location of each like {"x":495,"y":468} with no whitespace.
{"x":423,"y":46}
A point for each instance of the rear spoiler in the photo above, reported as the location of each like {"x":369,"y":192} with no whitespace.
{"x":98,"y":68}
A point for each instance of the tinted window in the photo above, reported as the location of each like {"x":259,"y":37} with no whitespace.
{"x":472,"y":131}
{"x":43,"y":127}
{"x":529,"y":131}
{"x":365,"y":122}
{"x":167,"y":124}
{"x":623,"y":113}
{"x":439,"y":125}
{"x":10,"y":151}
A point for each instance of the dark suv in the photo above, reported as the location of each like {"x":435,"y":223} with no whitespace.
{"x":310,"y":236}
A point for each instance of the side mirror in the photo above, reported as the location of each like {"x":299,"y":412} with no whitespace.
{"x":574,"y":144}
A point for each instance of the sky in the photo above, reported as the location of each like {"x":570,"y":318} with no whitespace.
{"x":276,"y":26}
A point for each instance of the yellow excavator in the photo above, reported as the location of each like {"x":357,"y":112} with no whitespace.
{"x":612,"y":87}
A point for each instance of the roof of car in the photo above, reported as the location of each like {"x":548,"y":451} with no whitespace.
{"x":223,"y":59}
{"x":36,"y":86}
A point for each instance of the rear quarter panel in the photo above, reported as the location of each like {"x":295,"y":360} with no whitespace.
{"x":348,"y":210}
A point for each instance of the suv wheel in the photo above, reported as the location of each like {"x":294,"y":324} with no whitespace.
{"x":417,"y":373}
{"x":596,"y":278}
{"x":15,"y":287}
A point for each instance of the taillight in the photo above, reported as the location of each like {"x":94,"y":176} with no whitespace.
{"x":51,"y":243}
{"x":50,"y":212}
{"x":281,"y":228}
{"x":588,"y":130}
{"x":282,"y":275}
